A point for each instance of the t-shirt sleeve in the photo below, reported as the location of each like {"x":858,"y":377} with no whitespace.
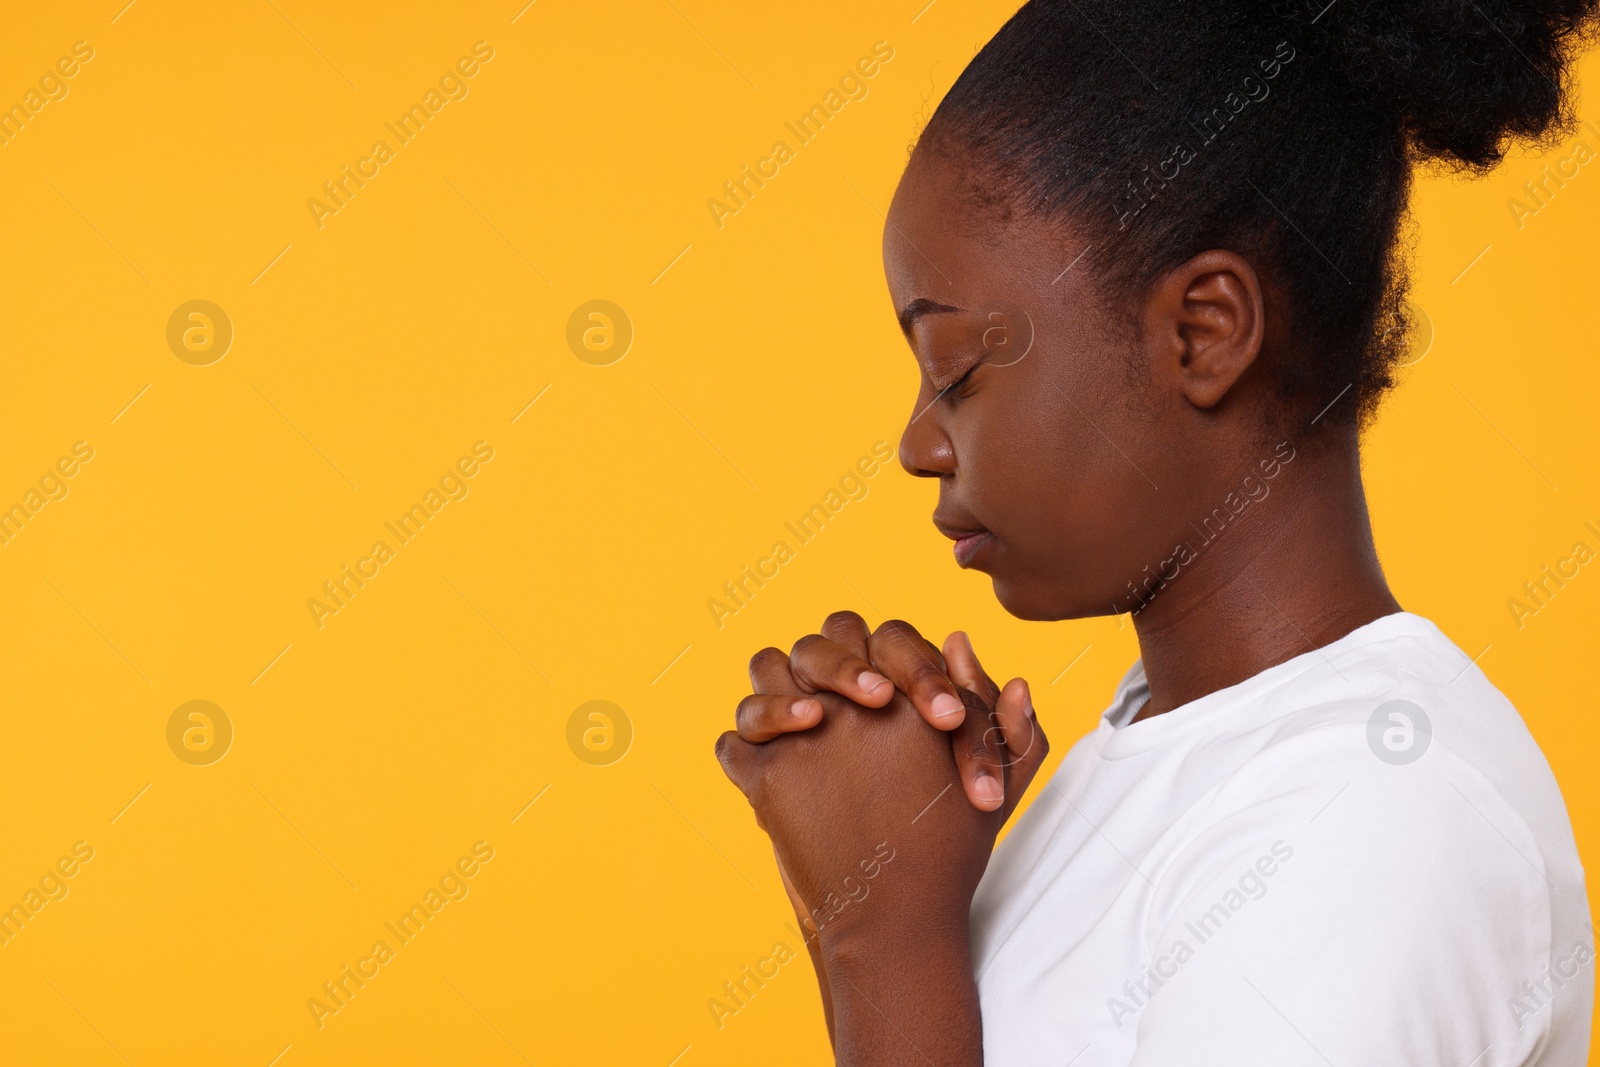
{"x":1332,"y":909}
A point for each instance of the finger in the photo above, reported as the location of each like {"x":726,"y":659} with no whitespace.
{"x":847,"y":630}
{"x":1014,"y":731}
{"x":738,"y":763}
{"x":964,"y":669}
{"x":817,"y":665}
{"x":769,"y":673}
{"x":1025,"y":743}
{"x":761,"y":717}
{"x":979,"y":752}
{"x":1020,"y":729}
{"x":917,"y":669}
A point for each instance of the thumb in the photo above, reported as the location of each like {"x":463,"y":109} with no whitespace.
{"x":963,"y":668}
{"x":1026,"y":744}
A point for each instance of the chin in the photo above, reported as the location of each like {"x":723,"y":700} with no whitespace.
{"x":1036,"y":599}
{"x":1029,"y":600}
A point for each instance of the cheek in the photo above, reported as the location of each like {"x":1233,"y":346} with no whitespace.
{"x":1022,"y":451}
{"x":1053,"y":468}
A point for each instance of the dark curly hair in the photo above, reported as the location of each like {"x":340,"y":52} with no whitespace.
{"x":1284,"y":131}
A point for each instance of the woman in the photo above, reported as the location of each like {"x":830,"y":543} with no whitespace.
{"x":1147,"y":257}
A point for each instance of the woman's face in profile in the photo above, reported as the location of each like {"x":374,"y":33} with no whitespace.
{"x":1035,"y":414}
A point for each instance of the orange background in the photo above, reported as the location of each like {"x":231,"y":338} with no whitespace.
{"x":371,"y":753}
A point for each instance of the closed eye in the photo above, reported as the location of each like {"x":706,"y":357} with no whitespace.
{"x":961,"y":381}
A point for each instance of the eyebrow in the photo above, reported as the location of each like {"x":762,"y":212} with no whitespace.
{"x":919,"y":307}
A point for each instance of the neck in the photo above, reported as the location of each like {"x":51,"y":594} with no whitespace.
{"x":1295,"y":570}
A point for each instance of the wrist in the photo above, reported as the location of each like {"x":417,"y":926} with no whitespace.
{"x":924,"y":944}
{"x":904,"y":995}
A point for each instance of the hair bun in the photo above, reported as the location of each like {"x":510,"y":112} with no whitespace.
{"x":1466,"y":78}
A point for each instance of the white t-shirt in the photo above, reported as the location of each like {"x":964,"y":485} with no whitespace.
{"x":1282,"y":873}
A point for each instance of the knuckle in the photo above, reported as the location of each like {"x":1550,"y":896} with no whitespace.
{"x":808,"y":646}
{"x":765,"y":658}
{"x":844,"y":619}
{"x":897,"y":638}
{"x":749,"y":708}
{"x":897,"y":630}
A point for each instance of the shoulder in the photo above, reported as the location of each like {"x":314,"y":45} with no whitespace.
{"x":1404,"y":733}
{"x":1420,"y":778}
{"x":1396,"y":852}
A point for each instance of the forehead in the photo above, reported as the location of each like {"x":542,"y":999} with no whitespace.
{"x":947,"y":238}
{"x":925,"y":233}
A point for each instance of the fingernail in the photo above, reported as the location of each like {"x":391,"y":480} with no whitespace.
{"x":870,"y":681}
{"x":988,"y":788}
{"x":803,"y":709}
{"x":947,"y":705}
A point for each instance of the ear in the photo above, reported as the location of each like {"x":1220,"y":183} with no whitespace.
{"x":1204,"y":322}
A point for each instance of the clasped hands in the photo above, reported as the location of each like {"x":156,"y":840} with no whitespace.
{"x":862,"y":741}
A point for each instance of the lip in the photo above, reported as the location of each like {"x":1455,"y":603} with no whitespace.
{"x":968,"y":547}
{"x":969,"y":541}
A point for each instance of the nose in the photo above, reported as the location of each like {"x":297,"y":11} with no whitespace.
{"x":925,"y":449}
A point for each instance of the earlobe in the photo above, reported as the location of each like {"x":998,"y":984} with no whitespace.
{"x":1216,"y":319}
